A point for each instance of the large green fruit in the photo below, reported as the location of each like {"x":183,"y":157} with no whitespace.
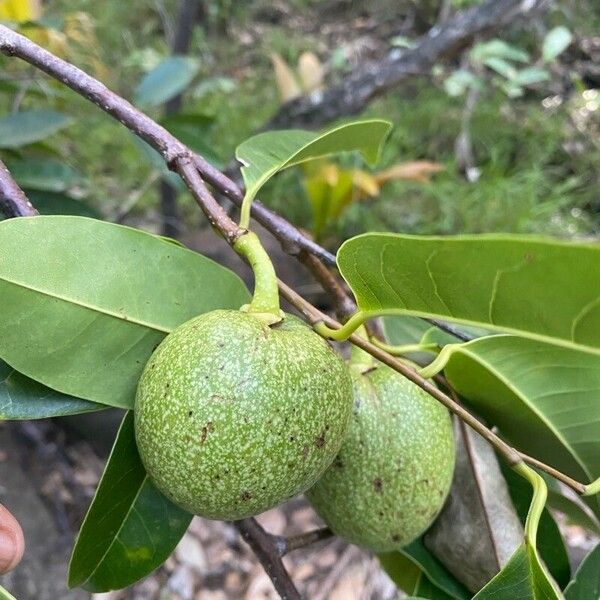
{"x":233,"y":416}
{"x":394,"y":469}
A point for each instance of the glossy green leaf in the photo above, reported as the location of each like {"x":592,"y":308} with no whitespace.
{"x":23,"y":398}
{"x":550,"y":544}
{"x":433,"y":569}
{"x":167,"y":80}
{"x":130,"y":528}
{"x":22,"y":128}
{"x":543,"y":398}
{"x":499,"y":282}
{"x":586,"y":584}
{"x":44,"y":175}
{"x":265,"y":154}
{"x":523,"y":578}
{"x":557,"y":40}
{"x":84,"y":302}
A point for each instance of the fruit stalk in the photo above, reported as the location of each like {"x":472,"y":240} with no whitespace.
{"x":265,"y":301}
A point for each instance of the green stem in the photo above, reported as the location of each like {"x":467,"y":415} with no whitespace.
{"x":406,"y":348}
{"x":345,"y":331}
{"x":245,"y":211}
{"x":592,"y":488}
{"x":540,"y":494}
{"x":265,"y":300}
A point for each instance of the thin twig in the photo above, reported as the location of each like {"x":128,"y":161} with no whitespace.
{"x":314,"y":316}
{"x":215,"y":213}
{"x":13,"y":202}
{"x":305,"y":539}
{"x":342,"y":303}
{"x":267,"y":552}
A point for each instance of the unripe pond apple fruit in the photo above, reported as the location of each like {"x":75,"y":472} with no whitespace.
{"x":233,"y":416}
{"x":394,"y":470}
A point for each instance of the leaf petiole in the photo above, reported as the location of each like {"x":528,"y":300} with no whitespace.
{"x":346,"y":330}
{"x":540,"y":494}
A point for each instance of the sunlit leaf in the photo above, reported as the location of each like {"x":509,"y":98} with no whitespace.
{"x":311,"y":72}
{"x":557,"y":40}
{"x":498,"y":282}
{"x":287,"y":85}
{"x":130,"y":528}
{"x":22,"y":128}
{"x":267,"y":153}
{"x":84,"y":302}
{"x":418,"y":170}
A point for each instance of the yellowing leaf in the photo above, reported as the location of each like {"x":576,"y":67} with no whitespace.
{"x":365,"y":182}
{"x":330,"y":173}
{"x":286,"y":81}
{"x":418,"y":170}
{"x":20,"y":11}
{"x":53,"y":40}
{"x":311,"y":72}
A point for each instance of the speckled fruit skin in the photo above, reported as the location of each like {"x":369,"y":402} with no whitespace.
{"x":232,"y":416}
{"x":394,"y":470}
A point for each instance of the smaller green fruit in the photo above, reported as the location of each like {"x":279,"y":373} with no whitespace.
{"x":233,"y":416}
{"x":394,"y":470}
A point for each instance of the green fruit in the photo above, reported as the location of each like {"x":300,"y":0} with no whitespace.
{"x":394,"y":469}
{"x":233,"y":416}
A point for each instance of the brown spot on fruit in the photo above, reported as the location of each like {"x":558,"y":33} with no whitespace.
{"x":208,"y":428}
{"x":320,"y":440}
{"x":247,"y":496}
{"x":378,"y":485}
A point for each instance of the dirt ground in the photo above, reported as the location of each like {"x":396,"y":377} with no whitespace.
{"x":49,"y":474}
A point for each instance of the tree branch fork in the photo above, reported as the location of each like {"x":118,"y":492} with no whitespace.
{"x":196,"y":172}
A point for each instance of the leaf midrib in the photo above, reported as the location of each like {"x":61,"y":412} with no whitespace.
{"x":86,"y":305}
{"x":118,"y":532}
{"x":560,"y":342}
